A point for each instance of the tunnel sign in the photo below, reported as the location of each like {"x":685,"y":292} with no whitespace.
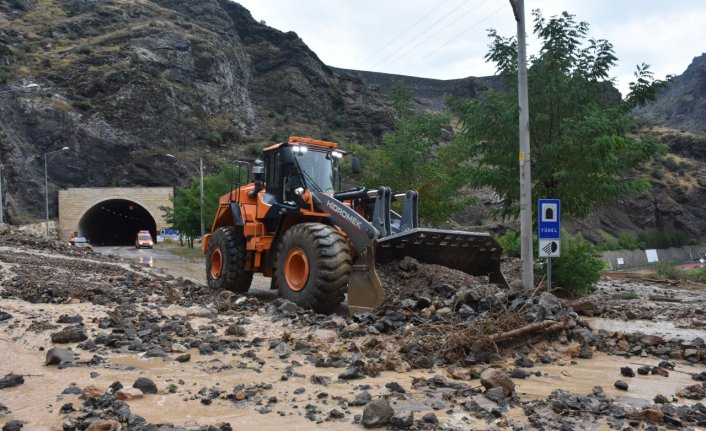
{"x":549,"y":230}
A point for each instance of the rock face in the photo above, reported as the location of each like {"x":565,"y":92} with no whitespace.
{"x":682,"y":105}
{"x":136,"y":80}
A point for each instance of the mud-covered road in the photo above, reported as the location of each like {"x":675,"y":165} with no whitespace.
{"x":104,"y":341}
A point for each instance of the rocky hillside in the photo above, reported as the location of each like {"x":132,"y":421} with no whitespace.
{"x":123,"y":83}
{"x":682,"y":105}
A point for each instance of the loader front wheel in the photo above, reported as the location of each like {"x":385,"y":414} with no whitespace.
{"x":225,"y":262}
{"x":312,"y":267}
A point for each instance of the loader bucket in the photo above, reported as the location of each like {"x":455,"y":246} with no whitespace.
{"x":364,"y":288}
{"x":475,"y":253}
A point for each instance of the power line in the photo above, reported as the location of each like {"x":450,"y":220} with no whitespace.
{"x":364,"y":62}
{"x":453,"y":39}
{"x":400,"y":55}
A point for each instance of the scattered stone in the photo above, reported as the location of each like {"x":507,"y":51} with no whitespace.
{"x":351,"y":373}
{"x":298,"y":391}
{"x":236,"y":331}
{"x":13,"y":425}
{"x":361,"y":399}
{"x":336,"y":414}
{"x":282,"y":350}
{"x":156,"y":352}
{"x":91,"y":391}
{"x":11,"y":380}
{"x":104,"y":425}
{"x":377,"y":413}
{"x":660,"y":371}
{"x":692,"y":392}
{"x":72,"y":390}
{"x":183,"y":358}
{"x":402,"y":419}
{"x":644,"y":370}
{"x":73,"y":334}
{"x":128,"y":394}
{"x":494,"y":378}
{"x":5,"y":316}
{"x":495,"y":394}
{"x":660,"y":399}
{"x":619,"y":384}
{"x":395,"y":387}
{"x":652,"y":415}
{"x":57,"y":355}
{"x":288,"y":307}
{"x":65,"y":318}
{"x":430,"y":418}
{"x":627,"y":372}
{"x":146,"y":385}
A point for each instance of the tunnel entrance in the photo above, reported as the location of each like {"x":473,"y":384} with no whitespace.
{"x":116,"y":222}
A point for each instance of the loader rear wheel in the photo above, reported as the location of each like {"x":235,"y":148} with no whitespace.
{"x":225,"y":262}
{"x":312,"y":267}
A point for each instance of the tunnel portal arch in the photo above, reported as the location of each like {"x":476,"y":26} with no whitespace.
{"x":113,"y":215}
{"x":116,"y":222}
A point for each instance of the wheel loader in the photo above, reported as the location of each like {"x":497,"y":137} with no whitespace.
{"x":317,"y":243}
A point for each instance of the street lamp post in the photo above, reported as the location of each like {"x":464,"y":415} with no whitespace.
{"x":46,"y":184}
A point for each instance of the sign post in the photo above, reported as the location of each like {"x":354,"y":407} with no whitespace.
{"x":549,"y":232}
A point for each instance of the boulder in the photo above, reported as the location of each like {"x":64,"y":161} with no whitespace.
{"x":104,"y":425}
{"x":73,"y":334}
{"x":377,"y":413}
{"x":57,"y":355}
{"x":493,"y":378}
{"x":146,"y":385}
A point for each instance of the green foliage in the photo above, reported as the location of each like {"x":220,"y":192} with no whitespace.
{"x":645,"y":88}
{"x":186,"y":213}
{"x":5,"y":75}
{"x":579,"y":149}
{"x":510,"y":242}
{"x":214,"y":138}
{"x":18,"y":4}
{"x":83,"y":105}
{"x":627,"y":295}
{"x":579,"y":267}
{"x":653,"y":238}
{"x":666,"y":270}
{"x":694,"y":274}
{"x":414,"y":157}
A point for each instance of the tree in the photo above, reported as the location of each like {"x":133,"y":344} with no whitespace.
{"x":415,"y":157}
{"x":580,"y":152}
{"x":186,"y":213}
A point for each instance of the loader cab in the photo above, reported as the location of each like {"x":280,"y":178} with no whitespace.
{"x":294,"y":166}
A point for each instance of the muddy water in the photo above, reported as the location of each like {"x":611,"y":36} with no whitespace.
{"x":664,"y":329}
{"x":38,"y":400}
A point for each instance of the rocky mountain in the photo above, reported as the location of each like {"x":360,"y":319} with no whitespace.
{"x":682,"y":105}
{"x":124,"y":83}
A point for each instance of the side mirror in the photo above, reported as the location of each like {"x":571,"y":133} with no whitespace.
{"x":355,"y":164}
{"x":286,"y":156}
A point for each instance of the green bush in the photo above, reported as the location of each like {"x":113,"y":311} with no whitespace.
{"x":510,"y":242}
{"x":83,"y":105}
{"x":579,"y":267}
{"x":666,"y":270}
{"x":214,"y":138}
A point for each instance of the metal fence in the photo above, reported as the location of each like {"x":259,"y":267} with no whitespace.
{"x":627,"y":259}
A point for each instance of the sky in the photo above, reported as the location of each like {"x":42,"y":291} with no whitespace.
{"x":447,"y":39}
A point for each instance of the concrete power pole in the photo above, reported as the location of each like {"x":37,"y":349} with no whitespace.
{"x":518,"y":8}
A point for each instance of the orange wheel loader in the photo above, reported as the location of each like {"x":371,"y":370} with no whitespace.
{"x":319,"y":244}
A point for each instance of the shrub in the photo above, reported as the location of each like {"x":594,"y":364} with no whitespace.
{"x":214,"y":138}
{"x":667,"y":271}
{"x":510,"y":242}
{"x":83,"y":105}
{"x":579,"y":267}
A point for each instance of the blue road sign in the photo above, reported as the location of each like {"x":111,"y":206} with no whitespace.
{"x":549,"y":219}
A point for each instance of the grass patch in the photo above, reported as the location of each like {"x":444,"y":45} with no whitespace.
{"x":626,"y":295}
{"x":186,"y":252}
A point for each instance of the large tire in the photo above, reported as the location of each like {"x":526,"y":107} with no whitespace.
{"x":312,"y":267}
{"x":225,"y":262}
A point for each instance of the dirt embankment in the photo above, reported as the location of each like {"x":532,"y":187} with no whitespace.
{"x":93,"y":342}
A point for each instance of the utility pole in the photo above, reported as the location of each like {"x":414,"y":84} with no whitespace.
{"x":518,"y":8}
{"x":201,"y":193}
